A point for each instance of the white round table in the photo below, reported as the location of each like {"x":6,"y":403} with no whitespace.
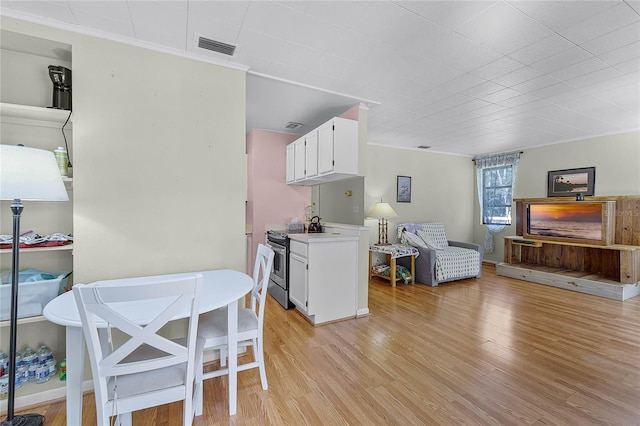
{"x":219,"y":288}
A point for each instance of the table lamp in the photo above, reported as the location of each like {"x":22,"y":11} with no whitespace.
{"x":25,"y":174}
{"x":382,"y":211}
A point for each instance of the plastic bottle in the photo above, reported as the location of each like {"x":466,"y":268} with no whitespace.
{"x":19,"y":380}
{"x":29,"y":356}
{"x":30,"y":360}
{"x":42,"y":373}
{"x":63,"y":370}
{"x":4,"y":387}
{"x":62,"y":158}
{"x":4,"y":362}
{"x":44,"y":354}
{"x":23,"y":372}
{"x":52,"y":365}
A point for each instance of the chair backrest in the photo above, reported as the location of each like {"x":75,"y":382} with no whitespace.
{"x":435,"y":231}
{"x":261,"y":272}
{"x":113,"y":303}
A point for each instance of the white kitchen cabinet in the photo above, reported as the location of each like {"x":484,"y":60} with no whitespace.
{"x":324,"y":276}
{"x":298,"y":277}
{"x":291,"y":170}
{"x":302,"y":158}
{"x":338,"y":147}
{"x":311,"y":155}
{"x":331,"y":153}
{"x":299,"y":155}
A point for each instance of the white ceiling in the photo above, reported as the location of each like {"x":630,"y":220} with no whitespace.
{"x":464,"y":77}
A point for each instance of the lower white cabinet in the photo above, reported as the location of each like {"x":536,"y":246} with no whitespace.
{"x":323,"y":276}
{"x":298,"y":281}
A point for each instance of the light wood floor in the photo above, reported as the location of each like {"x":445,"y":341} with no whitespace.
{"x":484,"y":351}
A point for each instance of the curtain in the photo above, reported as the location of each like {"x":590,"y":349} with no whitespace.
{"x":489,"y":162}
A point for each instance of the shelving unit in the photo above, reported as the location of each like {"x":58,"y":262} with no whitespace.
{"x":611,"y":271}
{"x":26,"y":120}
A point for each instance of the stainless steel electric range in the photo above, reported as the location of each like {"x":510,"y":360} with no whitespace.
{"x":279,"y":279}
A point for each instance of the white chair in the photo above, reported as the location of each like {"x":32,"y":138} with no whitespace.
{"x":213,"y":325}
{"x":147,"y":369}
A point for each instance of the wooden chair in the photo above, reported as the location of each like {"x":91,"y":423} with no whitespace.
{"x":213,"y":325}
{"x":147,"y":369}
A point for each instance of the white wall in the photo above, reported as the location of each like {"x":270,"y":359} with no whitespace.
{"x":441,"y":189}
{"x":159,"y":167}
{"x":334,"y":205}
{"x":616,"y":159}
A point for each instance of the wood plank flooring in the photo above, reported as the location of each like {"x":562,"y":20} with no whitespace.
{"x":488,"y":351}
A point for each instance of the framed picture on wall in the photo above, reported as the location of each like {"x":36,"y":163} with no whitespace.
{"x":404,"y":189}
{"x":563,"y":183}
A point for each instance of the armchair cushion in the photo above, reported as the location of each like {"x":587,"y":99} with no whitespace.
{"x":454,"y":262}
{"x":434,"y":231}
{"x":429,"y":241}
{"x":414,"y":240}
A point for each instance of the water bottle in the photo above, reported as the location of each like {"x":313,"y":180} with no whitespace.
{"x":31,"y":369}
{"x":62,"y":158}
{"x":23,"y":373}
{"x":19,"y":380}
{"x":42,"y":373}
{"x":52,"y":364}
{"x":29,"y":356}
{"x":44,"y":354}
{"x":30,"y":360}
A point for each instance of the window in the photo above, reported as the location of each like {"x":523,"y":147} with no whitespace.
{"x":496,"y":195}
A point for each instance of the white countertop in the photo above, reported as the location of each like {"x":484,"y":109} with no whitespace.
{"x":322,"y":237}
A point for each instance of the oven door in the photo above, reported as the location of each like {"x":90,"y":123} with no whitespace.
{"x":279,"y":271}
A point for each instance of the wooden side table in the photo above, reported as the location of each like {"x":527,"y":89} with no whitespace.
{"x":393,"y":252}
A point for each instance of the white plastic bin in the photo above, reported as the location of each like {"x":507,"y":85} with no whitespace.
{"x":32,"y":296}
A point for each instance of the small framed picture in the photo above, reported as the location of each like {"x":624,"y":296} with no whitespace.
{"x":563,"y":183}
{"x":404,"y":189}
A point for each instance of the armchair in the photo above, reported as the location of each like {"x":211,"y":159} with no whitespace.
{"x":441,"y":260}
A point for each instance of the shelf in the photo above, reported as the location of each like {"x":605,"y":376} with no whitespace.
{"x":621,"y":247}
{"x":67,"y":247}
{"x":34,"y":116}
{"x":21,"y":321}
{"x":31,"y":393}
{"x":582,"y":282}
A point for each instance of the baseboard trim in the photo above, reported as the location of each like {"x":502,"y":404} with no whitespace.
{"x":362,"y":312}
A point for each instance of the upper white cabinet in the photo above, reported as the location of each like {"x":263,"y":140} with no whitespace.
{"x":291,"y":170}
{"x":299,"y":156}
{"x":311,"y":154}
{"x":330,"y":153}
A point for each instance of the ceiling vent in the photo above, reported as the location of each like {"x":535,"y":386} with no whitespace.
{"x":216,"y":46}
{"x":424,"y":146}
{"x":293,"y":126}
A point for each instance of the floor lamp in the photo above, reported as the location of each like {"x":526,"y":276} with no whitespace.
{"x":382,"y":211}
{"x":25,"y":174}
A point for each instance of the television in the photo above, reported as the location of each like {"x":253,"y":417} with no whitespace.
{"x":587,"y":222}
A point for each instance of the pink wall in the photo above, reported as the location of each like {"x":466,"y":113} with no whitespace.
{"x":270,"y":201}
{"x":352,"y":113}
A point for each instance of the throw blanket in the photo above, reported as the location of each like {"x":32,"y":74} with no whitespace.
{"x":454,"y":262}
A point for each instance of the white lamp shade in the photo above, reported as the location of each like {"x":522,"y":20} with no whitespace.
{"x":30,"y":174}
{"x":382,"y":210}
